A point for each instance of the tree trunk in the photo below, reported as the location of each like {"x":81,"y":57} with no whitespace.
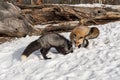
{"x":22,"y":21}
{"x":41,"y":14}
{"x":11,"y":21}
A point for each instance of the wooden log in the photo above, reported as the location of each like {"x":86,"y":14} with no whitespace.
{"x":24,"y":6}
{"x":61,"y":27}
{"x":15,"y":22}
{"x":11,"y":21}
{"x":50,"y":14}
{"x":111,"y":2}
{"x":47,"y":13}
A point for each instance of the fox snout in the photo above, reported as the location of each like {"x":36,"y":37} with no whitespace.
{"x":69,"y":50}
{"x":83,"y":43}
{"x":78,"y":43}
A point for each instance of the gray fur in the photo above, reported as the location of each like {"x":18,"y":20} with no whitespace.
{"x":45,"y":42}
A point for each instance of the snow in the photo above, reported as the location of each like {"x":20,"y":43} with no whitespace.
{"x":97,"y":5}
{"x":100,"y":61}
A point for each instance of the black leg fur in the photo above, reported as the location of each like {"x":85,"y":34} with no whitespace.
{"x":86,"y":43}
{"x":44,"y":52}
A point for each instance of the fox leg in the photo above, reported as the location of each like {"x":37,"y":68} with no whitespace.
{"x":85,"y":43}
{"x":58,"y":49}
{"x":44,"y":52}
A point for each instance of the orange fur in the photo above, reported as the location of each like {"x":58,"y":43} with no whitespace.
{"x":79,"y":34}
{"x":94,"y":33}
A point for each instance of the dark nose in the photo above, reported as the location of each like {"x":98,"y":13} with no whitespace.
{"x":71,"y":51}
{"x":79,"y":46}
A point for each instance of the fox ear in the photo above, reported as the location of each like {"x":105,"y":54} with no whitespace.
{"x":93,"y":33}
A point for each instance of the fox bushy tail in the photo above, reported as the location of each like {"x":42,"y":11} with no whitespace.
{"x":30,"y":48}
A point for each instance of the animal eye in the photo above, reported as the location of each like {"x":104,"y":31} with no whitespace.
{"x":74,"y":35}
{"x":80,"y":37}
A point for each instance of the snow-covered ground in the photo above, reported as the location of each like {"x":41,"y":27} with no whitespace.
{"x":100,"y":61}
{"x":93,"y":5}
{"x":97,"y":5}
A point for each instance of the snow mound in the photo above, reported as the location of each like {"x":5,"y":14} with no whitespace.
{"x":100,"y":61}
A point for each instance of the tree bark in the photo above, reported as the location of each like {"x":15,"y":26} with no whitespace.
{"x":45,"y":13}
{"x":19,"y":22}
{"x":11,"y":21}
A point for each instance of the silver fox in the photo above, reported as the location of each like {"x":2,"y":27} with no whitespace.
{"x":45,"y":42}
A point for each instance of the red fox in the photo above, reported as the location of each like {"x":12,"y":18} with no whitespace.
{"x":45,"y":42}
{"x":80,"y":35}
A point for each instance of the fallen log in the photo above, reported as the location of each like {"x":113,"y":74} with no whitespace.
{"x":12,"y":24}
{"x":48,"y":13}
{"x":15,"y":22}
